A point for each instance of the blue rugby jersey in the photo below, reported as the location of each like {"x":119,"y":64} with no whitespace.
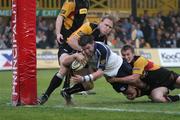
{"x":104,"y":58}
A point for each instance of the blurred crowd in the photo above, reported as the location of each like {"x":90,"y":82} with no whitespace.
{"x":5,"y":33}
{"x":157,"y":31}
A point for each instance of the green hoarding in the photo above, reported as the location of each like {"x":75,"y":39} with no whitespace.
{"x":44,"y":13}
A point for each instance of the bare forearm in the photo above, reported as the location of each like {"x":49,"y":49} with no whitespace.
{"x":97,"y":74}
{"x":69,"y":59}
{"x":132,"y":80}
{"x":127,"y":80}
{"x":59,"y":22}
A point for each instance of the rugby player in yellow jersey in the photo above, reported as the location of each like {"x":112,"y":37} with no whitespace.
{"x":71,"y":17}
{"x":159,"y":79}
{"x":99,"y":31}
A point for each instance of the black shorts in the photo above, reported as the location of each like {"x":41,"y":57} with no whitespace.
{"x":161,"y":78}
{"x":124,"y":70}
{"x":65,"y":48}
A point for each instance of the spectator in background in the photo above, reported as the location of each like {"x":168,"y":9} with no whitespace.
{"x":43,"y":25}
{"x":144,"y":44}
{"x":151,"y":32}
{"x":168,"y":43}
{"x":121,"y":36}
{"x":38,"y":36}
{"x":2,"y":26}
{"x":160,"y":42}
{"x":7,"y":29}
{"x":137,"y":35}
{"x":174,"y":40}
{"x":135,"y":41}
{"x":6,"y":41}
{"x":178,"y":37}
{"x":127,"y":26}
{"x":170,"y":22}
{"x":50,"y":36}
{"x":158,"y":18}
{"x":2,"y":44}
{"x":42,"y":43}
{"x":146,"y":15}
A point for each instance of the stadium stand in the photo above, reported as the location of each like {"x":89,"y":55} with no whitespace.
{"x":153,"y":28}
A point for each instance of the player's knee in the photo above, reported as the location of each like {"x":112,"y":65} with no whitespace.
{"x":63,"y":59}
{"x":88,"y":85}
{"x":177,"y":84}
{"x":157,"y":94}
{"x":158,"y":98}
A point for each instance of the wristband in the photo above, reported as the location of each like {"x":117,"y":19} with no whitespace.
{"x":87,"y":78}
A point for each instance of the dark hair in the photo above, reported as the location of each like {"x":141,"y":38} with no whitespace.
{"x":127,"y":47}
{"x":86,"y":39}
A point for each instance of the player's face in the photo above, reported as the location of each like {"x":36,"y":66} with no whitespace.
{"x":88,"y":50}
{"x":128,"y":55}
{"x":106,"y":26}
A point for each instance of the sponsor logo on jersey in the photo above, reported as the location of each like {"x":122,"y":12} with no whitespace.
{"x":83,"y":11}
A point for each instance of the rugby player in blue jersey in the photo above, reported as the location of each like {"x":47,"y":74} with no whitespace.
{"x":104,"y":62}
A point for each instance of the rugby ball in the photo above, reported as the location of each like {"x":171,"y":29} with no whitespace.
{"x":76,"y":65}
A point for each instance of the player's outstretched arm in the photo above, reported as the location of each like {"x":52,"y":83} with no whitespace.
{"x":87,"y":78}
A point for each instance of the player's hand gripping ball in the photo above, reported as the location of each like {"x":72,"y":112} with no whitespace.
{"x":76,"y":65}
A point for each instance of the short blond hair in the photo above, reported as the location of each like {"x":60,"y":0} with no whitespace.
{"x":110,"y":17}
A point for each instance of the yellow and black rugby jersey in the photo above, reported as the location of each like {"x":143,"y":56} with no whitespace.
{"x":74,"y":14}
{"x":141,"y":64}
{"x":90,"y":29}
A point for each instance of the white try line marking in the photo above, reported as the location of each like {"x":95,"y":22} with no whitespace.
{"x":105,"y":109}
{"x":115,"y":109}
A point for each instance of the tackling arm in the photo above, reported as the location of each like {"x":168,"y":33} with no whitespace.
{"x":133,"y":79}
{"x":128,"y":79}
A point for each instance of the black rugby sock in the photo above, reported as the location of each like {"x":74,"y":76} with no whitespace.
{"x":55,"y":82}
{"x":67,"y":80}
{"x":74,"y":89}
{"x":173,"y":98}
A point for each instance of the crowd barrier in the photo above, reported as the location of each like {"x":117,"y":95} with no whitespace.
{"x":47,"y":59}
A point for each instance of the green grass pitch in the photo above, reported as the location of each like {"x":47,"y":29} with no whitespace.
{"x":106,"y":104}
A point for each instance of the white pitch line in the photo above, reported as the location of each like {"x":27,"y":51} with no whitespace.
{"x":117,"y":109}
{"x":108,"y":109}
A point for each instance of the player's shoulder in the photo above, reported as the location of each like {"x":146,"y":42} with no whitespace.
{"x":101,"y":45}
{"x":140,"y":60}
{"x":86,"y":24}
{"x":137,"y":58}
{"x":69,"y":4}
{"x":102,"y":48}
